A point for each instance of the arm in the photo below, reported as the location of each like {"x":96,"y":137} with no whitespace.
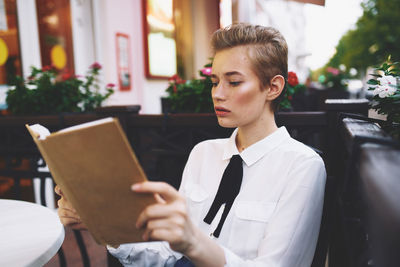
{"x":168,"y":220}
{"x":138,"y":254}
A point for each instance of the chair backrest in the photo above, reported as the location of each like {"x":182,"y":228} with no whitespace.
{"x":380,"y":194}
{"x":350,"y":243}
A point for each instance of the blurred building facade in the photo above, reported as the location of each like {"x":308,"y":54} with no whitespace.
{"x":73,"y":34}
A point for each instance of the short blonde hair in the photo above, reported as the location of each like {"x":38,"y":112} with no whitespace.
{"x":268,"y":51}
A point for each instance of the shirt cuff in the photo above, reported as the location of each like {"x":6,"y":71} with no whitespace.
{"x":125,"y":252}
{"x":232,"y":260}
{"x":122,"y":252}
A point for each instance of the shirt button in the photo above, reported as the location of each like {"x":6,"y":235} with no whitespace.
{"x":211,"y":234}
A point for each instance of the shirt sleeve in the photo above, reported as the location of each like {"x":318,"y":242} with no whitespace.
{"x":291,"y":235}
{"x":157,"y":254}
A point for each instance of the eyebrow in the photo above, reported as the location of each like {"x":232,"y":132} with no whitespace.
{"x":228,"y":74}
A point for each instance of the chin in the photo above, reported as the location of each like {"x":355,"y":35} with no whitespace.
{"x":226,"y":123}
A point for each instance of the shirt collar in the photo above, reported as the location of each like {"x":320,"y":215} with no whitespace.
{"x":257,"y":150}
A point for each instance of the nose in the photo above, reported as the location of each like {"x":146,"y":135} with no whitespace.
{"x":218,"y":92}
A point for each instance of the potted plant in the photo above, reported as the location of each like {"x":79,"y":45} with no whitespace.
{"x":190,"y":96}
{"x":385,"y":87}
{"x":194,"y":96}
{"x":48,"y":91}
{"x":293,"y":93}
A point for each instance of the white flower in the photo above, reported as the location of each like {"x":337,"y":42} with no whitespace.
{"x":387,"y":80}
{"x":384,"y":91}
{"x":31,"y":86}
{"x":387,"y":86}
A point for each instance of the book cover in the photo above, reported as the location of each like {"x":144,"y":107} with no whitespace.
{"x":94,"y":165}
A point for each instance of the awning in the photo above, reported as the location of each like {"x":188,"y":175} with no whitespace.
{"x":315,"y":2}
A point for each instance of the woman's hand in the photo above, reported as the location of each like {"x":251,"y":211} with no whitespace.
{"x":68,"y":215}
{"x":168,"y":219}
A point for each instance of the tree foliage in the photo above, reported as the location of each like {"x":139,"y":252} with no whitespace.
{"x":376,"y":36}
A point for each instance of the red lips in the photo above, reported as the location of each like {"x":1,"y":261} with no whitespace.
{"x":221,"y":111}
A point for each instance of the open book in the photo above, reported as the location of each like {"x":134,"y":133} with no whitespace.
{"x":95,"y":167}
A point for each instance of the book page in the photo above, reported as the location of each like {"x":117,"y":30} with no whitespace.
{"x":41,"y":131}
{"x":86,"y":125}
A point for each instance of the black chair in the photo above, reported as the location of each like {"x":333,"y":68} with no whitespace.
{"x":350,"y":243}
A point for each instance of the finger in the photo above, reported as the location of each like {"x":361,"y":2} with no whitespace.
{"x":58,"y":191}
{"x":64,"y":204}
{"x":159,"y":199}
{"x":73,"y":224}
{"x":67,"y":218}
{"x":166,"y":191}
{"x":169,"y":223}
{"x":158,"y":211}
{"x":68,"y":214}
{"x":67,"y":221}
{"x":153,"y":234}
{"x":172,"y":236}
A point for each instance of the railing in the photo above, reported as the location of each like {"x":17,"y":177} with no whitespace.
{"x":162,"y":143}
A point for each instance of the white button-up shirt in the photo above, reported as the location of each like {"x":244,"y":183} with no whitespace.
{"x":275,"y":219}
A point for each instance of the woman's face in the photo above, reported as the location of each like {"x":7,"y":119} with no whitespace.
{"x":238,"y":98}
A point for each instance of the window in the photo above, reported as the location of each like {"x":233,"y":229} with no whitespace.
{"x":159,"y":38}
{"x":10,"y":58}
{"x":55,"y":34}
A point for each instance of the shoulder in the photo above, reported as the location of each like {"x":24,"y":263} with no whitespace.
{"x":209,"y":146}
{"x":206,"y":151}
{"x":305,"y":166}
{"x":299,"y":151}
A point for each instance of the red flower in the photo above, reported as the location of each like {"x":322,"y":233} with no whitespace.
{"x":95,"y":66}
{"x":292,"y":79}
{"x":66,"y":76}
{"x":110,"y":85}
{"x":47,"y":68}
{"x":176,"y":79}
{"x":290,"y":98}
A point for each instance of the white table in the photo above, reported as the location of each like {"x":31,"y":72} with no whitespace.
{"x":30,"y":234}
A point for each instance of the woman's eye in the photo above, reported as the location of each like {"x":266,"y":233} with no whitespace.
{"x":235,"y":83}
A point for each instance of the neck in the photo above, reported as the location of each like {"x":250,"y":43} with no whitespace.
{"x":252,"y":133}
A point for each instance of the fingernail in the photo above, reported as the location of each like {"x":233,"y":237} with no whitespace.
{"x":136,"y":187}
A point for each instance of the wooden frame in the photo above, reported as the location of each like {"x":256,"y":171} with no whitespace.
{"x":122,"y":45}
{"x":166,"y":46}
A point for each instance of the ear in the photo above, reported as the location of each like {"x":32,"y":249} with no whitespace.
{"x":275,"y":87}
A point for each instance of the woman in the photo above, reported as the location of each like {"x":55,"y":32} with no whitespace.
{"x":273,"y":217}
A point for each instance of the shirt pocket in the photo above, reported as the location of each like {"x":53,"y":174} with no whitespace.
{"x":196,"y":197}
{"x":250,"y":220}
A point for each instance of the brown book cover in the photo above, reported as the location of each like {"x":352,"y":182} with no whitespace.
{"x":94,"y":165}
